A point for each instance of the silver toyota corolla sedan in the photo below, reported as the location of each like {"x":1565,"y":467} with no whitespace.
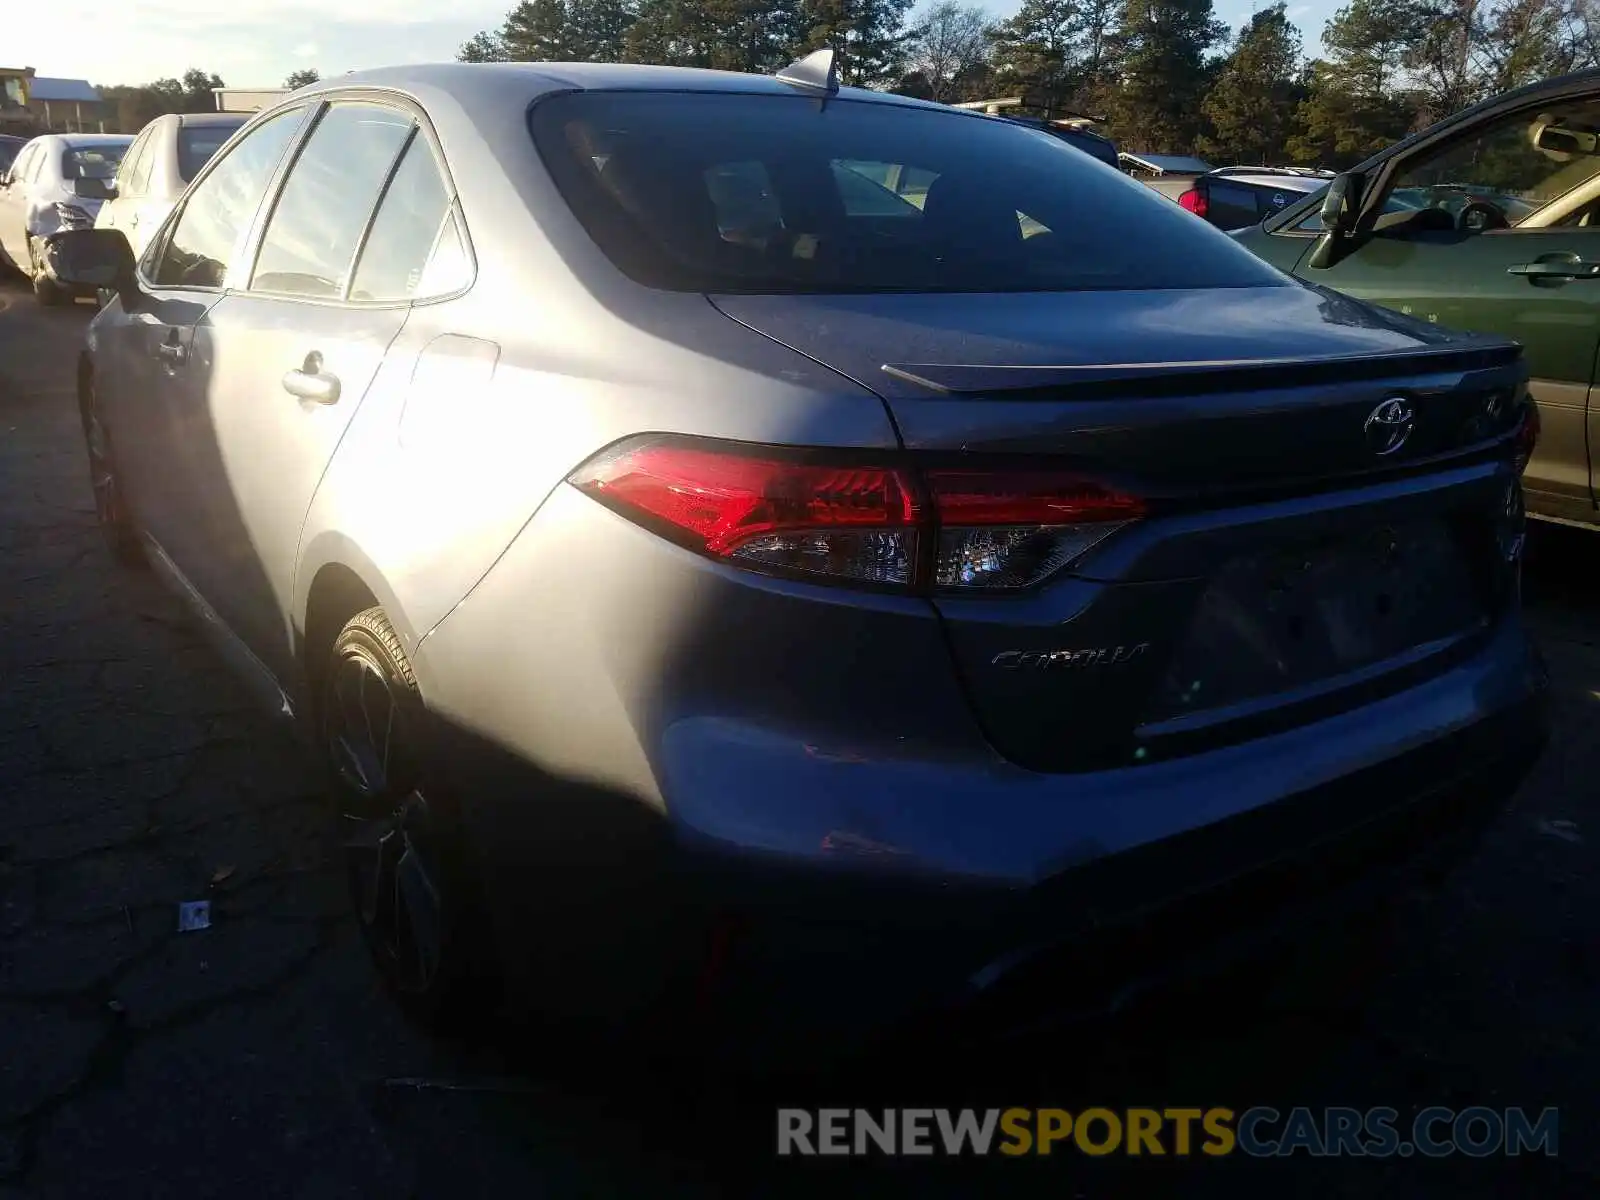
{"x":749,"y":548}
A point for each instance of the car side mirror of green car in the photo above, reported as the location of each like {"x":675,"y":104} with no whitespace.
{"x":1341,"y":204}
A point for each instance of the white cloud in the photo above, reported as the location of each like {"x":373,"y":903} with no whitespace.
{"x":305,"y":50}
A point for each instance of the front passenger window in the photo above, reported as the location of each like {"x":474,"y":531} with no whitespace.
{"x":220,"y":208}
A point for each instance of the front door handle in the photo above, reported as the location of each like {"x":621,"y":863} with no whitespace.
{"x":134,"y":220}
{"x":311,"y":382}
{"x":1557,"y":268}
{"x":173,"y":353}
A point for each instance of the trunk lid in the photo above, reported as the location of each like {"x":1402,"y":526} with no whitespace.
{"x":1308,"y":544}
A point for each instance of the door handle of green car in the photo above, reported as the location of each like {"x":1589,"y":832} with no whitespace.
{"x":1557,"y":268}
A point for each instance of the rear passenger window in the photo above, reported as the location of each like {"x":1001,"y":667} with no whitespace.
{"x":743,"y":197}
{"x":311,"y":238}
{"x":411,"y":218}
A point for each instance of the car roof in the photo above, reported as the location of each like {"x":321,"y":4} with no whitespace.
{"x":94,"y":139}
{"x":473,"y":83}
{"x":213,"y":118}
{"x":1287,"y":183}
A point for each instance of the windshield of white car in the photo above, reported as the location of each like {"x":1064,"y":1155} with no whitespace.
{"x":779,"y":194}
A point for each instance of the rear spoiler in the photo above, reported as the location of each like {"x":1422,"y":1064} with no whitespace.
{"x":1099,"y":380}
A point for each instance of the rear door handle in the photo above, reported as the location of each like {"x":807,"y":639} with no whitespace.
{"x":311,"y":382}
{"x":1557,"y":268}
{"x":174,"y":353}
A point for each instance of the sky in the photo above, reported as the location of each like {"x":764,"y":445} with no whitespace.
{"x":257,"y":43}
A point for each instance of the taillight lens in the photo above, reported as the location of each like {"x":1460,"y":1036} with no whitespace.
{"x":1527,"y":435}
{"x":883,"y":524}
{"x":1005,"y":529}
{"x":853,"y":522}
{"x":1195,"y":201}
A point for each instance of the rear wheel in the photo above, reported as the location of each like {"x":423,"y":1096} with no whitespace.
{"x":403,"y":846}
{"x":46,"y":290}
{"x":110,"y":511}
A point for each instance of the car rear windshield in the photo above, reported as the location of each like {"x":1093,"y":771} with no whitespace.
{"x":197,"y":143}
{"x":781,"y":194}
{"x":91,"y":162}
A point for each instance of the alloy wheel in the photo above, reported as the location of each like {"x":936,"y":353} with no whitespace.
{"x":390,"y":838}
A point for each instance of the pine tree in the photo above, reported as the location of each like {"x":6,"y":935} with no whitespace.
{"x":725,"y":35}
{"x":485,"y":46}
{"x":1354,"y":105}
{"x":1161,"y":47}
{"x":597,"y":30}
{"x":1251,"y":102}
{"x":870,"y":35}
{"x":1038,"y":51}
{"x":537,"y":31}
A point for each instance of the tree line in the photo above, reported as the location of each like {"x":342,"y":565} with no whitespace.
{"x":1166,"y":75}
{"x":129,"y":108}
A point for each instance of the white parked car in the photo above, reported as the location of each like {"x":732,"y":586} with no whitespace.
{"x":57,"y":182}
{"x":164,"y":157}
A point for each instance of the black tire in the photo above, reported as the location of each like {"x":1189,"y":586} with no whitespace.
{"x":405,"y":851}
{"x":110,"y":508}
{"x":45,"y":290}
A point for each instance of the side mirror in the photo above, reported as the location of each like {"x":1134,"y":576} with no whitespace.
{"x":1341,"y":204}
{"x":88,"y":260}
{"x":94,"y":189}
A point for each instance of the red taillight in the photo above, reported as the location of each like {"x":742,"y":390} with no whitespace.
{"x":870,"y":523}
{"x":1195,"y":201}
{"x":1527,"y":435}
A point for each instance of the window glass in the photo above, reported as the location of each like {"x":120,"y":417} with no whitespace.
{"x":1230,"y":205}
{"x":409,"y":220}
{"x":1514,"y":166}
{"x":450,"y":267}
{"x":1508,"y":169}
{"x":312,"y":235}
{"x":36,"y":164}
{"x":870,"y":189}
{"x":218,"y":211}
{"x":128,"y":182}
{"x":198,"y":144}
{"x":92,"y":162}
{"x":776,"y":194}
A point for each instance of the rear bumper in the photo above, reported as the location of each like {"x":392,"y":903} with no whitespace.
{"x":841,"y":959}
{"x":788,"y":885}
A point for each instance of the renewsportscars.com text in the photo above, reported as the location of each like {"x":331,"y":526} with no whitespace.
{"x":1258,"y":1132}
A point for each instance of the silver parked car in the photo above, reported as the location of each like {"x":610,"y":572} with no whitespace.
{"x":747,"y":546}
{"x":164,"y":157}
{"x":58,"y":181}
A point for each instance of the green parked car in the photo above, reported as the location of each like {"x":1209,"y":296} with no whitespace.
{"x":1488,"y":221}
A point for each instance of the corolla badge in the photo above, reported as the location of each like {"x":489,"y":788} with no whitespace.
{"x":1044,"y":660}
{"x":1389,"y":425}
